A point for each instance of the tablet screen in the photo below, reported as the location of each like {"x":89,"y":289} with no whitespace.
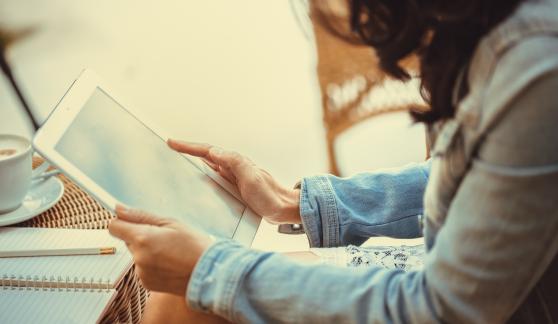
{"x":135,"y":166}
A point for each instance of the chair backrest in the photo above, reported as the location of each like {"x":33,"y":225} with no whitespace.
{"x":353,"y":88}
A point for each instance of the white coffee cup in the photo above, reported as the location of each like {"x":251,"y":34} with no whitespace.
{"x":15,"y":171}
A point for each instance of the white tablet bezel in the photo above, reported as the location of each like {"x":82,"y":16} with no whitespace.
{"x":62,"y":117}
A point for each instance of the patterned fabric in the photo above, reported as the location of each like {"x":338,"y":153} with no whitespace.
{"x":406,"y":258}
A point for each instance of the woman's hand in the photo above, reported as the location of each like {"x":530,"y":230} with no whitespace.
{"x":277,"y":204}
{"x":165,"y":251}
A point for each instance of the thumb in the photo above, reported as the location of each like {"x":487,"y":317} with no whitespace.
{"x":138,"y":216}
{"x":195,"y":149}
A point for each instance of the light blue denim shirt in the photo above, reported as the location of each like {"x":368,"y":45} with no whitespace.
{"x":338,"y":212}
{"x":490,"y":212}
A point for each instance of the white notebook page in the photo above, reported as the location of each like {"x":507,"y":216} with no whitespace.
{"x":57,"y":306}
{"x":97,"y":268}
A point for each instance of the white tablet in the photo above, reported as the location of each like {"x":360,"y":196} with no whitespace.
{"x":116,"y":156}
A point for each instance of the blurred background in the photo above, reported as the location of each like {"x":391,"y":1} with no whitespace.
{"x":255,"y":76}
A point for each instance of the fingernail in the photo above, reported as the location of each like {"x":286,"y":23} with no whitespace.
{"x":121,"y":209}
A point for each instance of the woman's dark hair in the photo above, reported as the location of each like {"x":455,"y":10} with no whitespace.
{"x":443,"y":33}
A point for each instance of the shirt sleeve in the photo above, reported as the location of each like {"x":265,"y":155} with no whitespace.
{"x":499,"y":237}
{"x":341,"y":211}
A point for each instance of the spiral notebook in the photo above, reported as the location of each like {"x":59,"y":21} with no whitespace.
{"x":61,"y":289}
{"x":31,"y":306}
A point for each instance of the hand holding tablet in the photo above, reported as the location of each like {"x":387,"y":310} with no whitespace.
{"x":165,"y":251}
{"x":178,"y":203}
{"x":257,"y":188}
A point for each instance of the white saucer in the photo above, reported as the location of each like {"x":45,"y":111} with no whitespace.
{"x":41,"y":196}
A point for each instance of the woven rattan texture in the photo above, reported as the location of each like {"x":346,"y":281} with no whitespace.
{"x":76,"y":209}
{"x":353,"y":87}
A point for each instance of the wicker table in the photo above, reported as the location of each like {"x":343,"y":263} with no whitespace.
{"x":77,"y":209}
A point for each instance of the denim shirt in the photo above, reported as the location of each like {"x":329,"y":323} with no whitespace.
{"x":487,"y":198}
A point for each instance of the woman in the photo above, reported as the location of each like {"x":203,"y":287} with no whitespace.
{"x":489,"y":71}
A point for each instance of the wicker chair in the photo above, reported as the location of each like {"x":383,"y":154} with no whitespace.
{"x":352,"y":86}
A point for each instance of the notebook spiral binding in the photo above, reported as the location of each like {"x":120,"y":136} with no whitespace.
{"x":52,"y":283}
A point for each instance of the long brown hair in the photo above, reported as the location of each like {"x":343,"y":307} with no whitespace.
{"x":443,"y":33}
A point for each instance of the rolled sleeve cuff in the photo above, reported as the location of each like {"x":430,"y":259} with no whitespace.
{"x":216,"y":277}
{"x":318,"y":211}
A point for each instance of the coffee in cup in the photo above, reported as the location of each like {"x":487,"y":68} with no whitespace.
{"x":15,"y":171}
{"x":7,"y":152}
